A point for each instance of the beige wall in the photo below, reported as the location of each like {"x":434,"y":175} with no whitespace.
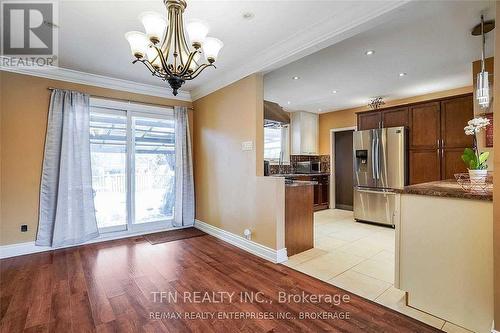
{"x":24,"y":102}
{"x":496,"y":186}
{"x":231,"y":193}
{"x":347,"y":117}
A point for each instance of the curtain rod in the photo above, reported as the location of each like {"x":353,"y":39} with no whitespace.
{"x":127,"y":100}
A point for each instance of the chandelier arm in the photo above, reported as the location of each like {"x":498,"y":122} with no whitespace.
{"x":180,"y":35}
{"x":148,"y":66}
{"x":199,"y":70}
{"x":167,"y":42}
{"x":186,"y":46}
{"x":188,"y":63}
{"x":183,"y":43}
{"x":164,"y":63}
{"x":176,"y":41}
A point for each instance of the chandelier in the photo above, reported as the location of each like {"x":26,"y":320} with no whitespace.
{"x":165,"y":51}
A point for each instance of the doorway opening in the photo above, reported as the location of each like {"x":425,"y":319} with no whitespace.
{"x":342,"y":171}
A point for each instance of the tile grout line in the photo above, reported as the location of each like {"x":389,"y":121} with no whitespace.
{"x":392,"y":285}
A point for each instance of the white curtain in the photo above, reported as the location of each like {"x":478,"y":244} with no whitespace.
{"x":67,"y":214}
{"x":184,"y":185}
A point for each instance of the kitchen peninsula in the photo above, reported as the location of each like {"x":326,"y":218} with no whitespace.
{"x":446,"y":252}
{"x":299,"y":218}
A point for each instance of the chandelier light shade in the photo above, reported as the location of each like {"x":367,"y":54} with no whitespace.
{"x":167,"y":51}
{"x":212,"y":47}
{"x":138,"y":43}
{"x":197,"y":32}
{"x":154,"y":24}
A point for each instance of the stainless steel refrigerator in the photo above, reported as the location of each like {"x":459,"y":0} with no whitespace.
{"x":379,"y":168}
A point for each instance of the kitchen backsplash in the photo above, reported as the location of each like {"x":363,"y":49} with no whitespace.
{"x":324,"y":159}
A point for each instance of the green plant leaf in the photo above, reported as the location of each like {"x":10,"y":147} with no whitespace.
{"x":483,"y":157}
{"x":470,"y":158}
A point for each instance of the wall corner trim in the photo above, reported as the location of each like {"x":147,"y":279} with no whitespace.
{"x":275,"y":256}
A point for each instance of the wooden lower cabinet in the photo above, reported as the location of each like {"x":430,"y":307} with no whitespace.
{"x":299,"y":219}
{"x":451,"y":162}
{"x":424,"y":166}
{"x":321,"y":190}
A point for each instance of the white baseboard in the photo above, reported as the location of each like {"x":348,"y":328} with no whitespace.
{"x":276,"y":256}
{"x":14,"y":250}
{"x":493,"y":328}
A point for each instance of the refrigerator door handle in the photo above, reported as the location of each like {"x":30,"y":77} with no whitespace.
{"x":377,"y":158}
{"x":374,"y":176}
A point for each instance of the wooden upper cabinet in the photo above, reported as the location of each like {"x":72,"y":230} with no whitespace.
{"x":424,"y":122}
{"x":395,"y":117}
{"x":455,"y":113}
{"x":369,"y":120}
{"x":304,"y":133}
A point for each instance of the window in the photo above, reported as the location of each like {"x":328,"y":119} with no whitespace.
{"x":276,"y":143}
{"x":133,"y":165}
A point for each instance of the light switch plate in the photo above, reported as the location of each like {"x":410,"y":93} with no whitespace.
{"x":247,"y":145}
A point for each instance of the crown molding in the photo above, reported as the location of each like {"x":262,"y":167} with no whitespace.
{"x":69,"y":75}
{"x":323,"y":34}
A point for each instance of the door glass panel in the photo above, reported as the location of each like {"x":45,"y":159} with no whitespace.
{"x":154,"y":163}
{"x":108,"y":147}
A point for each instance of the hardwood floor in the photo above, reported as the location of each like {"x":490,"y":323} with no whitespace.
{"x":111,"y":287}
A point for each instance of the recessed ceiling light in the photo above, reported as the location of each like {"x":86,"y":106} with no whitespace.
{"x":334,"y":92}
{"x":320,"y":110}
{"x":296,"y":77}
{"x":402,"y":74}
{"x":288,"y":102}
{"x":248,"y":15}
{"x":369,"y":52}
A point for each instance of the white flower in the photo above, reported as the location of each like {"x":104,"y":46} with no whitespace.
{"x":475,"y":125}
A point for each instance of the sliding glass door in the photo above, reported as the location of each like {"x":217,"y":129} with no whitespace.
{"x":133,"y":169}
{"x":108,"y":151}
{"x":154,"y":169}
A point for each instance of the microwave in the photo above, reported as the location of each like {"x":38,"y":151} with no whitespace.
{"x":308,"y":167}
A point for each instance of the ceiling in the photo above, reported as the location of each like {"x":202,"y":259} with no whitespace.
{"x":428,"y":40}
{"x":91,"y":34}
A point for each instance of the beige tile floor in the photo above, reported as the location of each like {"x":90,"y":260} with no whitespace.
{"x":358,"y":257}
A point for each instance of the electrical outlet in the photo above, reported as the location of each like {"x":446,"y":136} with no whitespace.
{"x":247,"y":145}
{"x":24,"y":227}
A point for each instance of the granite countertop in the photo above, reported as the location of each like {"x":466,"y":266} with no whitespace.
{"x":300,"y":183}
{"x":445,"y":188}
{"x":300,"y":174}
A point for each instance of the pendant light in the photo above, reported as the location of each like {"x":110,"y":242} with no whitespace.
{"x":482,"y":82}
